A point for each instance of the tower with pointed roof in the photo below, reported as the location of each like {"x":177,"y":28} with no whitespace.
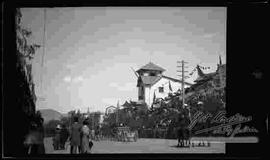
{"x":150,"y":69}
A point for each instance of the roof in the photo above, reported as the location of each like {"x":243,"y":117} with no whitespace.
{"x":126,"y":104}
{"x":202,"y":76}
{"x":150,"y":80}
{"x":151,"y":66}
{"x":205,"y":77}
{"x":175,"y":80}
{"x":222,"y":68}
{"x":200,"y":72}
{"x":132,"y":103}
{"x":111,"y":107}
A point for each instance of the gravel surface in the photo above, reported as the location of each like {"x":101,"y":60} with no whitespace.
{"x":143,"y":145}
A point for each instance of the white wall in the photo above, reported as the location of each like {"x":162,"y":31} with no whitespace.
{"x":146,"y":94}
{"x":162,"y":82}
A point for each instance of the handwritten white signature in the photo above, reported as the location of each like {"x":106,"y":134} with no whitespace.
{"x":224,"y":123}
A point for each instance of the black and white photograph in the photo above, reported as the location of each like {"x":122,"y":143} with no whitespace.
{"x":117,"y":80}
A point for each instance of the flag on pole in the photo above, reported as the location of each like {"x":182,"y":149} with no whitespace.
{"x":170,"y":87}
{"x":135,"y":72}
{"x":220,"y":62}
{"x":154,"y":98}
{"x":118,"y":106}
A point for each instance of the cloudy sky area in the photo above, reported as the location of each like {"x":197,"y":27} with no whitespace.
{"x":90,"y":51}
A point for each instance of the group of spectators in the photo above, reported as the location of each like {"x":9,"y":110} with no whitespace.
{"x":79,"y":136}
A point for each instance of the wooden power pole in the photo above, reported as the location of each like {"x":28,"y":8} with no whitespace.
{"x":93,"y":118}
{"x":182,"y":66}
{"x":117,"y":115}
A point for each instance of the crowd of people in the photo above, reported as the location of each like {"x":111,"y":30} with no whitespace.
{"x":79,"y":137}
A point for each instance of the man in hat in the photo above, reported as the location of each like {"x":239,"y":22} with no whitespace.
{"x":56,"y":139}
{"x":64,"y":136}
{"x":75,"y":136}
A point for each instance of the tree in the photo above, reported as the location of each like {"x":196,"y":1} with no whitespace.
{"x":25,"y":94}
{"x":25,"y":51}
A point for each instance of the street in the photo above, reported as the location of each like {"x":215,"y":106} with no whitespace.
{"x":143,"y":145}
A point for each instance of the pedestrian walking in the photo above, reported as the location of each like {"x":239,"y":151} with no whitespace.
{"x":92,"y":134}
{"x":97,"y":132}
{"x":63,"y":136}
{"x":57,"y":138}
{"x":75,"y":136}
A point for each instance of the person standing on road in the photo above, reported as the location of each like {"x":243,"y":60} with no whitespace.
{"x":75,"y":137}
{"x":57,"y":138}
{"x":97,"y":132}
{"x":64,"y":136}
{"x":85,"y":136}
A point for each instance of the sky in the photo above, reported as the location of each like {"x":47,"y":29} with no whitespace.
{"x":89,"y":51}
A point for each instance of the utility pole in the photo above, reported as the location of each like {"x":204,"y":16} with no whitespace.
{"x":44,"y":43}
{"x":116,"y":116}
{"x":182,"y":65}
{"x":92,"y":120}
{"x":40,"y":98}
{"x":117,"y":112}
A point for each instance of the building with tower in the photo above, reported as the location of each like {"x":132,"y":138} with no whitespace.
{"x":152,"y":84}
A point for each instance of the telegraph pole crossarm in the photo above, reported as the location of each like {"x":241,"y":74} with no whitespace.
{"x":181,"y":62}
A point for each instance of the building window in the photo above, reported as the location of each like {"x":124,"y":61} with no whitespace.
{"x":161,"y":89}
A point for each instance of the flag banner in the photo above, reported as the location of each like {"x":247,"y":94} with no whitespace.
{"x":154,"y":98}
{"x":170,"y":87}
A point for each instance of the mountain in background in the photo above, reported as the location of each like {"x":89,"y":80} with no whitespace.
{"x":50,"y":114}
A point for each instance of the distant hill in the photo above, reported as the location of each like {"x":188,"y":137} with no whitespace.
{"x":50,"y":114}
